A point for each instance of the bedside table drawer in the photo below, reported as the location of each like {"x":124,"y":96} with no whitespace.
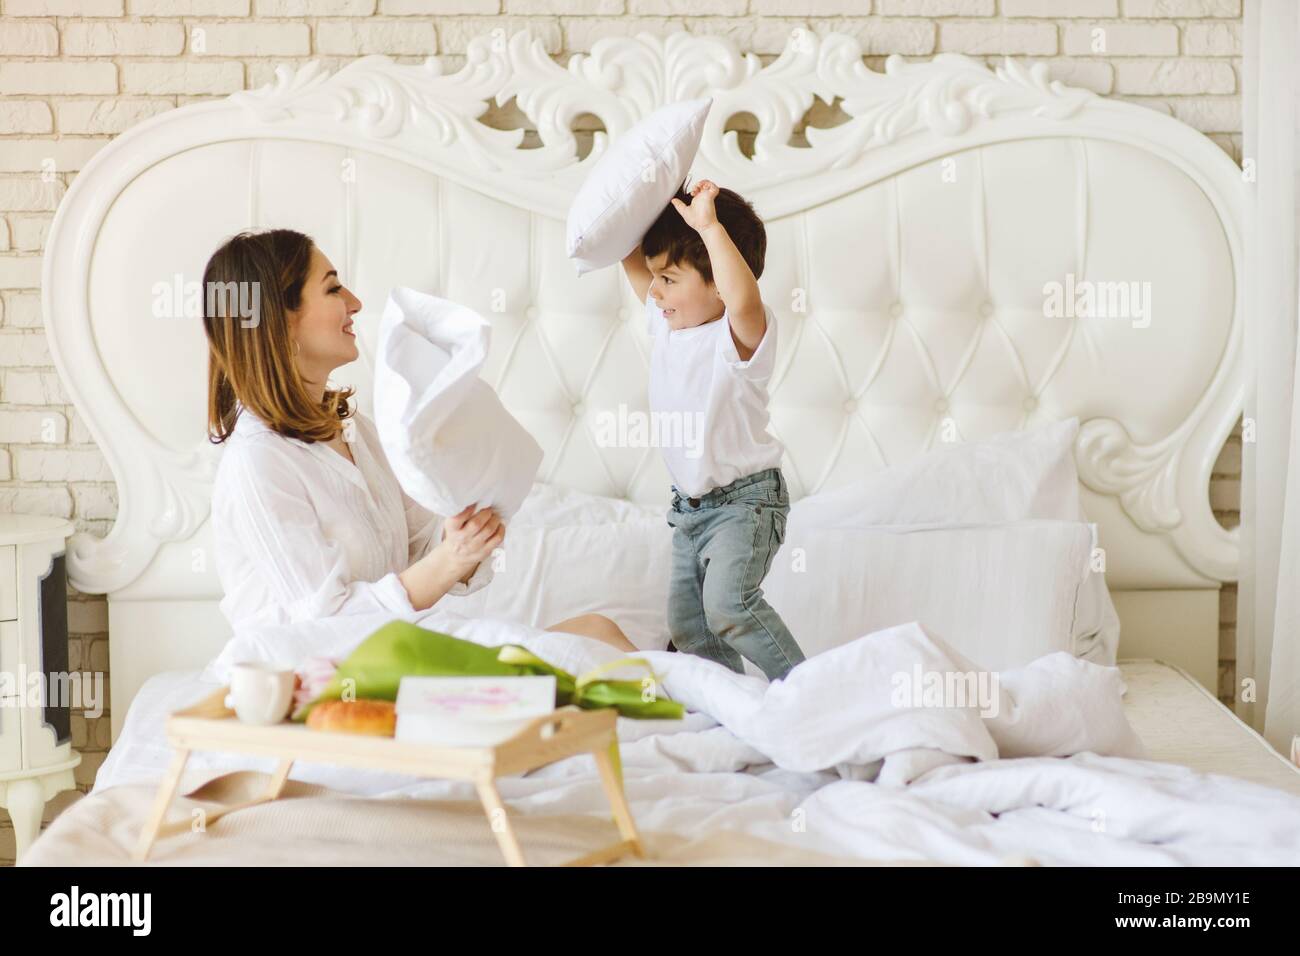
{"x":11,"y":689}
{"x":11,"y":736}
{"x":9,"y":583}
{"x":11,"y":685}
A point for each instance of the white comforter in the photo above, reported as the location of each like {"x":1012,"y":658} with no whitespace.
{"x":833,"y":758}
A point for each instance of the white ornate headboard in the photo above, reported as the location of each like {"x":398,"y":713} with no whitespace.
{"x":908,"y":252}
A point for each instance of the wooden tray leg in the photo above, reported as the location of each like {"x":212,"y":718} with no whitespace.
{"x":506,"y":839}
{"x":272,"y":792}
{"x":279,"y":779}
{"x":618,"y":802}
{"x":166,"y":790}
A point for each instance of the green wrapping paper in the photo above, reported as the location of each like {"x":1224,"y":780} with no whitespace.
{"x":401,"y":649}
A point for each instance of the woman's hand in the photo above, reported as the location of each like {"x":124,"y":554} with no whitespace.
{"x":469,"y":537}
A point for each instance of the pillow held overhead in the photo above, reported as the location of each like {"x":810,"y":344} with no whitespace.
{"x":632,"y":184}
{"x":449,"y":440}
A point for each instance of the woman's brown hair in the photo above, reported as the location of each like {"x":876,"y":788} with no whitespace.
{"x":250,"y":285}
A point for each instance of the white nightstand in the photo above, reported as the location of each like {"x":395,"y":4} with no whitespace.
{"x":36,"y":757}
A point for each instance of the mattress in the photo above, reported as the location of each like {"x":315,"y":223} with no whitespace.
{"x":315,"y":826}
{"x":1181,"y":722}
{"x":1178,"y":720}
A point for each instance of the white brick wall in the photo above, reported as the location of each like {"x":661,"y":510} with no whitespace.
{"x":102,"y":38}
{"x":1112,"y":38}
{"x":75,"y":73}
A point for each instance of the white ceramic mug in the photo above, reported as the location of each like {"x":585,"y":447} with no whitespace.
{"x":260,"y":692}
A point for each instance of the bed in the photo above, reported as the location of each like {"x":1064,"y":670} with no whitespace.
{"x":1180,"y":721}
{"x":986,"y":184}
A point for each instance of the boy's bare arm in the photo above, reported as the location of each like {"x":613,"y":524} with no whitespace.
{"x":738,"y":288}
{"x":637,"y":274}
{"x":731,"y":273}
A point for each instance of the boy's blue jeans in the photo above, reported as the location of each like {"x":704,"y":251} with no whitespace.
{"x":723,"y":544}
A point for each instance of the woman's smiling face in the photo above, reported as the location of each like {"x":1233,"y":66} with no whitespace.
{"x":322,"y":327}
{"x":683,"y":295}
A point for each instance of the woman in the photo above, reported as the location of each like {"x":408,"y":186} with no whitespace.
{"x":308,"y":517}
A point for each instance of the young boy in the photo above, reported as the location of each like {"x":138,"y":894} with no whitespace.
{"x":714,"y":345}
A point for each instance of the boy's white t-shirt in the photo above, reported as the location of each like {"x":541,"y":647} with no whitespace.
{"x":710,"y":406}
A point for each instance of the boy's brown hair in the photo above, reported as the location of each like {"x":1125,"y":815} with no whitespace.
{"x":671,"y":234}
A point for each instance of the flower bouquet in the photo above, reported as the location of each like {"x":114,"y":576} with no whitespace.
{"x":400,"y":649}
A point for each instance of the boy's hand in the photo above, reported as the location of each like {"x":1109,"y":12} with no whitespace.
{"x":699,"y":215}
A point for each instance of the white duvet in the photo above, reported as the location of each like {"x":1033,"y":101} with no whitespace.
{"x":843,"y":756}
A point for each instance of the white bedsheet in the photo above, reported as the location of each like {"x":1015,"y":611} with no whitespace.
{"x":825,"y":760}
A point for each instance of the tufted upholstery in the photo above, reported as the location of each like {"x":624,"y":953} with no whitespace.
{"x":910,"y":311}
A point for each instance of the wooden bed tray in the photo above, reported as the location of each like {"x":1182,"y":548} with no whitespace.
{"x":210,"y":725}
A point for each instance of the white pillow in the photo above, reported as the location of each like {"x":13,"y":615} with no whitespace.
{"x":1015,"y":476}
{"x":632,"y":183}
{"x":549,"y":574}
{"x":1002,"y":594}
{"x":1085,"y":702}
{"x":1026,"y":478}
{"x":450,"y":441}
{"x":550,"y":505}
{"x":1008,"y":477}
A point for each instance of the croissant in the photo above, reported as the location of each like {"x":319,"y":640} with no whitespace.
{"x":375,"y":717}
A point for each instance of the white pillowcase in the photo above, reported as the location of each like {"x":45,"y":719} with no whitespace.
{"x":1015,"y":476}
{"x":1008,"y":477}
{"x":450,"y":441}
{"x":985,"y":543}
{"x":1083,"y":699}
{"x":911,"y":543}
{"x":550,"y":505}
{"x":1002,"y":594}
{"x":632,"y":183}
{"x":549,"y":574}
